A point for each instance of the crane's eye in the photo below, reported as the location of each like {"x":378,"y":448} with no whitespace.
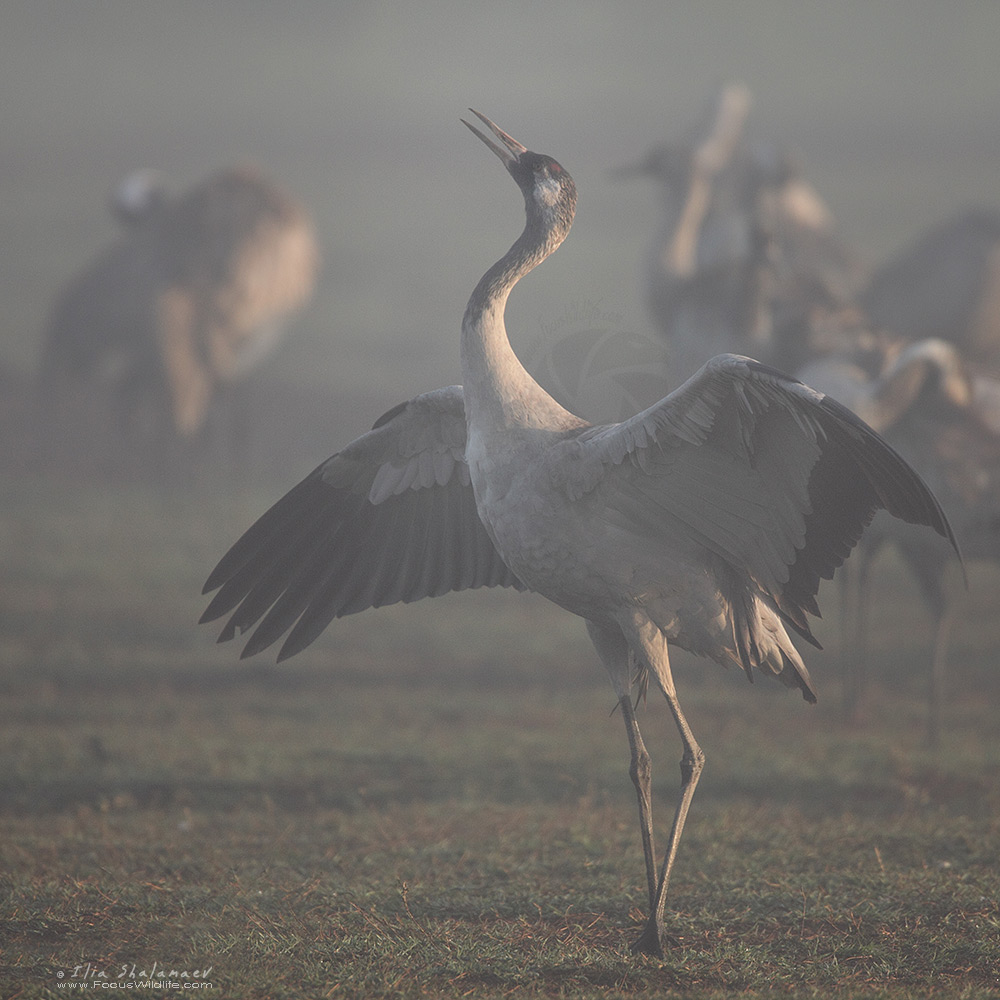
{"x":548,"y":169}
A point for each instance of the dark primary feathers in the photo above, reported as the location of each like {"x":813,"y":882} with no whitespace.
{"x":390,"y":518}
{"x":773,"y":478}
{"x":393,"y":518}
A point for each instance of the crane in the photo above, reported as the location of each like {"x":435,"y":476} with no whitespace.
{"x":706,"y":520}
{"x":744,"y":245}
{"x":946,"y":284}
{"x":195,"y":291}
{"x":747,"y":259}
{"x":926,"y":402}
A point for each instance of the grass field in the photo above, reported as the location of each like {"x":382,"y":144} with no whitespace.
{"x":433,"y":800}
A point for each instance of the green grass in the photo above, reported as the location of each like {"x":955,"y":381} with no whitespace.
{"x":433,"y":800}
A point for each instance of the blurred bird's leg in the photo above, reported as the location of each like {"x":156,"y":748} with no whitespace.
{"x":935,"y":689}
{"x":849,"y":639}
{"x":854,"y":645}
{"x":864,"y":637}
{"x":183,"y":358}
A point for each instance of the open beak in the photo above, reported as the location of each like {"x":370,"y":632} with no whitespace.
{"x":511,"y":150}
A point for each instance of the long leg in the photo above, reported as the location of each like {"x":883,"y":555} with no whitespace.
{"x":640,"y":771}
{"x":692,"y":763}
{"x":652,"y":647}
{"x":613,"y":650}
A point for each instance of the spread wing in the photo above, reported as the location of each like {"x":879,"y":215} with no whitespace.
{"x":775,"y":478}
{"x":390,"y":518}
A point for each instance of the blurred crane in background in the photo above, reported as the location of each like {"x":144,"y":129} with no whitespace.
{"x":925,"y":402}
{"x":194,"y":292}
{"x":744,"y":243}
{"x":946,"y":284}
{"x":748,"y":257}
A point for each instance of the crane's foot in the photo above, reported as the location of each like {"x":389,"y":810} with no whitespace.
{"x":650,"y":941}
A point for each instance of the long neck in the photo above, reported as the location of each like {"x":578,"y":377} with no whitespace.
{"x":499,"y":392}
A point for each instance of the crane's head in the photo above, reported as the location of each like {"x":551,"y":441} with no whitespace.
{"x":139,"y":197}
{"x":545,"y":184}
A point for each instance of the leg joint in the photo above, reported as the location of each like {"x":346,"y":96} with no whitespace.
{"x":641,"y":768}
{"x":692,"y":764}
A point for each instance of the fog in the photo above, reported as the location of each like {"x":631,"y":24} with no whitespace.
{"x":891,"y":109}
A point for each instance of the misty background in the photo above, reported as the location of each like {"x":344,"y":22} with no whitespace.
{"x":890,"y":108}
